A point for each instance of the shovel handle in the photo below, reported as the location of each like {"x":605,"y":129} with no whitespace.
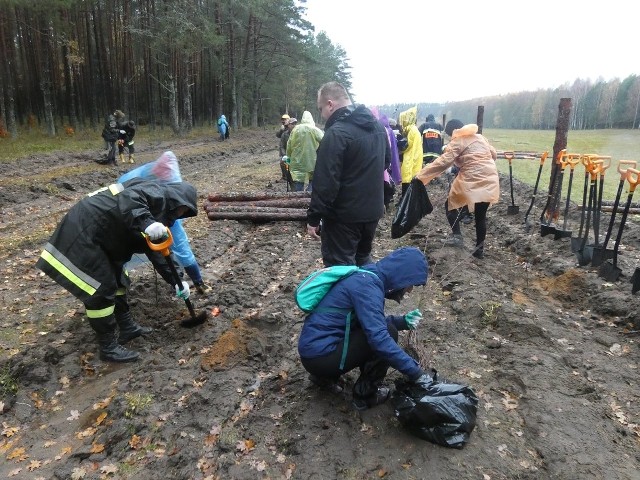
{"x":623,"y":172}
{"x":509,"y":156}
{"x":571,"y":159}
{"x":543,"y":157}
{"x":162,"y":247}
{"x":633,"y":182}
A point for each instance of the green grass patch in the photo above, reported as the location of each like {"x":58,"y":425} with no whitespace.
{"x":8,"y":384}
{"x":618,"y":144}
{"x":34,"y":141}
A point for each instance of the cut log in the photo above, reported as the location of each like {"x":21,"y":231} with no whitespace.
{"x":247,"y":208}
{"x":291,"y":214}
{"x":280,"y":203}
{"x":252,"y":196}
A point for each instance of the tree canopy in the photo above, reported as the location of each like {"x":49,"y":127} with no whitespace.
{"x":163,"y":62}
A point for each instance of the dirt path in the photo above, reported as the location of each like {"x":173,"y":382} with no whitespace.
{"x":548,"y":347}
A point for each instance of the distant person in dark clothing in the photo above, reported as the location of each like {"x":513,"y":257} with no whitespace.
{"x":125,"y":140}
{"x":348,"y":191}
{"x":431,"y":132}
{"x":110,"y":136}
{"x":283,"y":134}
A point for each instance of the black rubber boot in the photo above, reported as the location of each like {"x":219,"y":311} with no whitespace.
{"x":129,"y":329}
{"x":110,"y":349}
{"x":367,"y":391}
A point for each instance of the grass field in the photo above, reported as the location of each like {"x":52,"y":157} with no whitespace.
{"x":618,"y":144}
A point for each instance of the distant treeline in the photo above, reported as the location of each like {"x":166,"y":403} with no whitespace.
{"x":595,"y":105}
{"x":177,"y":63}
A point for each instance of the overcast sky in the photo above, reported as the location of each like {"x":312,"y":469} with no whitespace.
{"x":436,"y":51}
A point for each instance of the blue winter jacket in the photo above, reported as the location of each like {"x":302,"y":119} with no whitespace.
{"x":364,"y":294}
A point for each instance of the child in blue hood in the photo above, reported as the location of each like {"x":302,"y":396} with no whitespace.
{"x":223,"y":128}
{"x":349,"y":328}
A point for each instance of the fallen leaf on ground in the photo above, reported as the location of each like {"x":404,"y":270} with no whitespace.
{"x":17,"y":454}
{"x":103,"y":404}
{"x":35,"y":464}
{"x":86,"y":433}
{"x":100,"y":418}
{"x":75,"y":415}
{"x":135,"y":442}
{"x":8,"y":431}
{"x":14,"y":472}
{"x":78,"y":473}
{"x":97,"y":448}
{"x":108,"y":469}
{"x":245,"y":445}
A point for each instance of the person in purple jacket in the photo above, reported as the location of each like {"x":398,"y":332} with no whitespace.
{"x":349,"y":328}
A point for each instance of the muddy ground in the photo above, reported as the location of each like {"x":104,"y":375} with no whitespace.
{"x":550,"y":348}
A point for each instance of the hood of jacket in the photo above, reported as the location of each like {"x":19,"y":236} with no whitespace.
{"x":402,"y":268}
{"x":178,"y":195}
{"x":469,"y":129}
{"x":175,"y":195}
{"x":408,"y":117}
{"x":307,"y":119}
{"x":359,"y":115}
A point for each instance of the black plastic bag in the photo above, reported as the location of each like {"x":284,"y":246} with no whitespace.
{"x":440,"y":412}
{"x":414,"y":205}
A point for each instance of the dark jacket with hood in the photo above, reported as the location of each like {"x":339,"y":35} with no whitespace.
{"x":102,"y":231}
{"x":364,"y":294}
{"x":351,"y":159}
{"x":431,"y":132}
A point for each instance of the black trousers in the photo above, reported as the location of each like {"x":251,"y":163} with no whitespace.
{"x":347,"y":243}
{"x":454,"y":216}
{"x":360,"y":355}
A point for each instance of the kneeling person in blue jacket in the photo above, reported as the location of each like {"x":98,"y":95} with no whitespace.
{"x":349,"y":328}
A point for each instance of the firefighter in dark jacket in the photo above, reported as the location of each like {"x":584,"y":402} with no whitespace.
{"x":94,"y":240}
{"x":431,"y":132}
{"x":348,"y":186}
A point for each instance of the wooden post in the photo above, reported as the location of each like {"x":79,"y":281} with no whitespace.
{"x":562,"y":132}
{"x":480,"y":118}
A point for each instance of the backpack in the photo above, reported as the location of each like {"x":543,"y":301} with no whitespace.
{"x":310,"y":292}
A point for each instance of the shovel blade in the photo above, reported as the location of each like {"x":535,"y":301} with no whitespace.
{"x":609,"y":272}
{"x":562,"y":234}
{"x":635,"y":281}
{"x":576,"y":243}
{"x":513,"y":210}
{"x":600,"y":255}
{"x":547,"y":230}
{"x":584,"y":255}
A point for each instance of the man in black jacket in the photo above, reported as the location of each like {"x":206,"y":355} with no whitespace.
{"x":98,"y":235}
{"x":348,"y":186}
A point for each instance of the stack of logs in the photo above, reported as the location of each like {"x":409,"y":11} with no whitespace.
{"x":258,"y":207}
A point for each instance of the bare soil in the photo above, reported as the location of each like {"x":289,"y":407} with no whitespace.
{"x":550,"y":348}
